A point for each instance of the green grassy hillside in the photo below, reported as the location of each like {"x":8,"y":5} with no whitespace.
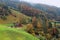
{"x":11,"y":18}
{"x":14,"y":34}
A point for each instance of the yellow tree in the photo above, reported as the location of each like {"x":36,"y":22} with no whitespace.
{"x":39,"y":25}
{"x":34,"y":21}
{"x":30,"y":29}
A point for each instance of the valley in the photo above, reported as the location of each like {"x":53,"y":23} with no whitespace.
{"x":21,"y":20}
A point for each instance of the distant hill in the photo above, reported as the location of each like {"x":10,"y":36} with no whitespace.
{"x":8,"y":15}
{"x":11,"y":3}
{"x":52,"y":11}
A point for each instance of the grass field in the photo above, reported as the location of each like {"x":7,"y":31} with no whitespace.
{"x":14,"y":34}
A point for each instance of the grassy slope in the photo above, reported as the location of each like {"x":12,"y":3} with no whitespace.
{"x":14,"y":34}
{"x":11,"y":19}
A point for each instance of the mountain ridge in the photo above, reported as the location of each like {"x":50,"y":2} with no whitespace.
{"x":51,"y":10}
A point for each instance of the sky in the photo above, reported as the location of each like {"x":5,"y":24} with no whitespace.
{"x":48,"y":2}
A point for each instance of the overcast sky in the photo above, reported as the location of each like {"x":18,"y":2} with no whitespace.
{"x":48,"y":2}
